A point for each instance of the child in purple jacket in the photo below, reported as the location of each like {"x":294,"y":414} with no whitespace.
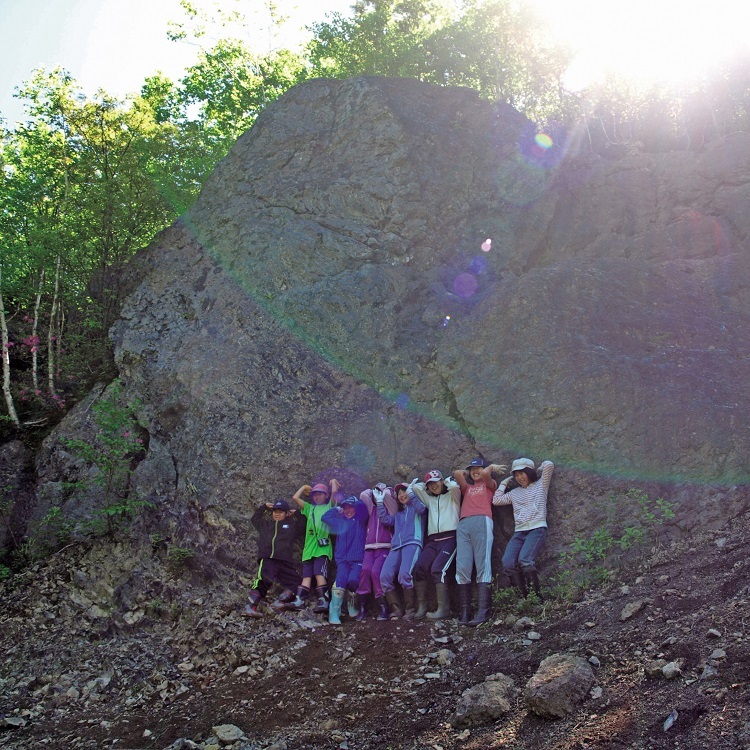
{"x":377,"y":547}
{"x":408,"y":537}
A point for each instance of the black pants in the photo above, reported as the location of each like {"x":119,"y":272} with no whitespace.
{"x":435,"y":559}
{"x":271,"y":570}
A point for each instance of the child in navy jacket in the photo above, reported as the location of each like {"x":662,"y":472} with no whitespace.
{"x":348,"y":522}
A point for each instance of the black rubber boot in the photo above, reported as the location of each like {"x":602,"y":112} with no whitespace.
{"x":321,"y":605}
{"x":394,"y":605}
{"x":421,"y":588}
{"x":464,"y":599}
{"x":383,"y":608}
{"x":485,"y":602}
{"x":531,"y":578}
{"x":364,"y":600}
{"x":519,"y":582}
{"x":410,"y":600}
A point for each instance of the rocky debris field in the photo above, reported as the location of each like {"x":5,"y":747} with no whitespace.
{"x":666,"y":646}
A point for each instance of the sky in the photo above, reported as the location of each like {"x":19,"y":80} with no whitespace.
{"x":116,"y":44}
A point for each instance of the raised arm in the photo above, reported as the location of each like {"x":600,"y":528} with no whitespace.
{"x":297,"y":496}
{"x":546,"y":469}
{"x":460,"y":476}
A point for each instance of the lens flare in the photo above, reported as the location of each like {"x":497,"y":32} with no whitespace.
{"x":543,"y":141}
{"x":487,"y":245}
{"x":465,"y":285}
{"x":402,"y":400}
{"x":446,"y":320}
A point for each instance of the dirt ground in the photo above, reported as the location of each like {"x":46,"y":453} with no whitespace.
{"x":293,"y":681}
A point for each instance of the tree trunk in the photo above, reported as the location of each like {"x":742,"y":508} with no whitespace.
{"x":51,"y":334}
{"x":6,"y":358}
{"x":34,"y":337}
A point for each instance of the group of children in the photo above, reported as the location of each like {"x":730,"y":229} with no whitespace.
{"x":403,"y":537}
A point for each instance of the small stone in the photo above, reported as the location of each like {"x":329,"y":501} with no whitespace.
{"x":709,"y":673}
{"x":445,"y":656}
{"x":713,"y":633}
{"x":228,"y":733}
{"x":12,"y":722}
{"x":464,"y":735}
{"x":590,"y":624}
{"x":722,"y":542}
{"x":596,"y":692}
{"x":655,"y":668}
{"x":532,"y":635}
{"x":718,"y":653}
{"x":594,"y":661}
{"x":671,"y":670}
{"x":147,"y":733}
{"x":632,"y":608}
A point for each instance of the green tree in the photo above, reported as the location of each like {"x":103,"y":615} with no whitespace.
{"x":84,"y":185}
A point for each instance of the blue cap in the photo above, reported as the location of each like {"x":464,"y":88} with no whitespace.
{"x":351,"y":500}
{"x":479,"y":463}
{"x":281,"y":504}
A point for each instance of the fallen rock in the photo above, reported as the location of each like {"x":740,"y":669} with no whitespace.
{"x":486,"y":702}
{"x":228,"y":733}
{"x":631,"y":608}
{"x":561,"y":682}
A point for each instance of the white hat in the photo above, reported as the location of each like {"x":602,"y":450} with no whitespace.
{"x":522,"y":463}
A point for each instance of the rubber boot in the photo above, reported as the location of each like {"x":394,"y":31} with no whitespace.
{"x":464,"y":598}
{"x":334,"y":609}
{"x":299,"y":601}
{"x":421,"y":589}
{"x":531,"y":578}
{"x":519,"y":582}
{"x":286,"y":598}
{"x":443,"y":609}
{"x":251,"y":608}
{"x":410,"y":600}
{"x":352,"y":604}
{"x":383,"y":612}
{"x":394,"y":605}
{"x":322,"y":604}
{"x":483,"y":609}
{"x":364,"y":600}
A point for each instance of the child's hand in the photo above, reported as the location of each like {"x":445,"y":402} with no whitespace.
{"x":268,"y":505}
{"x":306,"y":489}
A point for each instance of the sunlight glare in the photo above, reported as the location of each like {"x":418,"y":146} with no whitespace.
{"x":646,"y":41}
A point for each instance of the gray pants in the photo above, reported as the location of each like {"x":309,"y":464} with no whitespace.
{"x":474,"y":547}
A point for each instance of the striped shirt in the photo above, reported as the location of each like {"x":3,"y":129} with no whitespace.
{"x":530,"y":503}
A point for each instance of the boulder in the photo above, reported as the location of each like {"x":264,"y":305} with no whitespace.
{"x":559,"y":685}
{"x":486,"y":702}
{"x":385,"y":276}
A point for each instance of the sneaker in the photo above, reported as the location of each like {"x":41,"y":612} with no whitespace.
{"x":322,"y":606}
{"x":251,"y":610}
{"x":298,"y":603}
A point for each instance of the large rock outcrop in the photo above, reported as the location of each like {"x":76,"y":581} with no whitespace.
{"x":332,"y":300}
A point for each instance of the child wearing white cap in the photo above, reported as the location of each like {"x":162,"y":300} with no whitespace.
{"x":529,"y":501}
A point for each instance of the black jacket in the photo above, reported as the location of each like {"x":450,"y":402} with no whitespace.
{"x":278,"y":539}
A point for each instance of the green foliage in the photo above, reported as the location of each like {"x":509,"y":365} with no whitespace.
{"x":491,"y":46}
{"x":631,"y":520}
{"x":5,"y":572}
{"x":112,"y":451}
